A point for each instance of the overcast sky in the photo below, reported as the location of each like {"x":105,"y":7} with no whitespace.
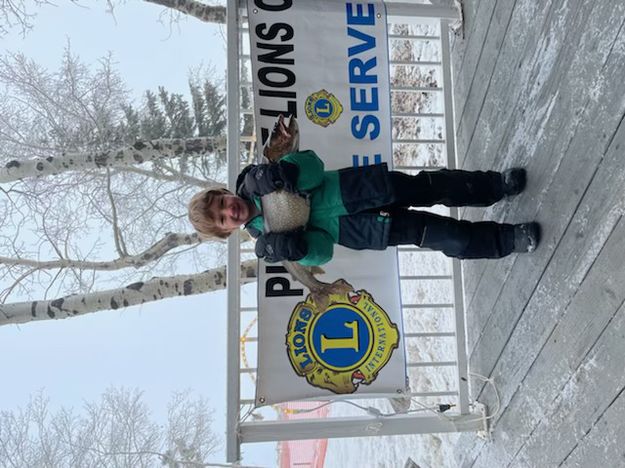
{"x":159,"y":347}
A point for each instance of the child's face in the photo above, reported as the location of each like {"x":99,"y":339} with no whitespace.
{"x":229,"y":212}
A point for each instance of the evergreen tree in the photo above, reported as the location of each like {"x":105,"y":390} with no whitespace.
{"x":153,"y":121}
{"x":97,"y":182}
{"x":209,"y":110}
{"x":177,"y":113}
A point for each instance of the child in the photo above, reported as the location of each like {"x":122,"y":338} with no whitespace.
{"x":363,"y":208}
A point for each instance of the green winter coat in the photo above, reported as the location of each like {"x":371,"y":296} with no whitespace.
{"x":343,"y":206}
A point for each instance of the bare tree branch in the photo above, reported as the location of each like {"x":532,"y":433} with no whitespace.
{"x":117,"y":233}
{"x":199,"y":10}
{"x":154,"y":252}
{"x":16,"y":14}
{"x":132,"y":294}
{"x":174,"y":177}
{"x":118,"y":430}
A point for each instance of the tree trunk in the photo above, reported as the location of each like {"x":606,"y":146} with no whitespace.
{"x":140,"y":152}
{"x":133,"y":294}
{"x":201,"y":11}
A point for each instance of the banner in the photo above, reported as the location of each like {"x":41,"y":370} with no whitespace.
{"x":326,"y":62}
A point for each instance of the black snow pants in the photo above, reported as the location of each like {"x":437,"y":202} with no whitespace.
{"x":455,"y":238}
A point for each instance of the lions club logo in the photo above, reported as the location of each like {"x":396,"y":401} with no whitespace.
{"x":343,"y":346}
{"x":323,"y":108}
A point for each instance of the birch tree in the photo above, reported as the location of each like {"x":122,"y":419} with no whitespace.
{"x":117,"y":430}
{"x":95,"y":187}
{"x":209,"y":13}
{"x":141,"y":292}
{"x":21,"y":14}
{"x":141,"y":151}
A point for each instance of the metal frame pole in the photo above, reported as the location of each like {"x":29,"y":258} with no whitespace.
{"x":233,"y":273}
{"x":366,"y":426}
{"x":461,"y":347}
{"x":395,"y":10}
{"x":265,"y":431}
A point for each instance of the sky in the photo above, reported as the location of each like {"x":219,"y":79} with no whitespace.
{"x":161,"y":347}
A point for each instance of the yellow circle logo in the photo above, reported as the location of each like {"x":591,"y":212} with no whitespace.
{"x":323,"y":108}
{"x":343,"y":346}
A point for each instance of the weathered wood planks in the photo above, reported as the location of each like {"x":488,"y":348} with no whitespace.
{"x":552,"y":99}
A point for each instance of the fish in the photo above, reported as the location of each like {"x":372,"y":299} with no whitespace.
{"x":285,"y":211}
{"x":320,"y":292}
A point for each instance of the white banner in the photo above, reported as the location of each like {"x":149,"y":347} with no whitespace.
{"x":326,"y":62}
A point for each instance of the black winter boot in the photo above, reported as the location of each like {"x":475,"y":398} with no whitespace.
{"x":526,"y":237}
{"x":513,"y":181}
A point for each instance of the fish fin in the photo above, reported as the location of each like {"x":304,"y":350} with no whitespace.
{"x":340,"y":286}
{"x":322,"y":297}
{"x":321,"y":300}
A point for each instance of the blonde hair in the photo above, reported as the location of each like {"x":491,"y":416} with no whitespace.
{"x":200,"y":216}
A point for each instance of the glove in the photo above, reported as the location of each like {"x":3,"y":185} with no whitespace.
{"x":275,"y":247}
{"x":266,"y":178}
